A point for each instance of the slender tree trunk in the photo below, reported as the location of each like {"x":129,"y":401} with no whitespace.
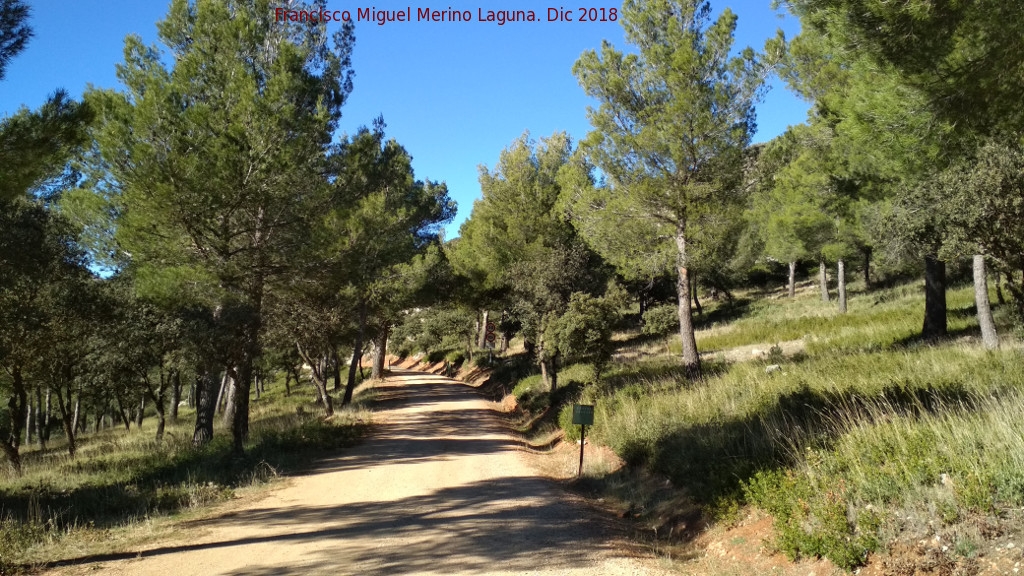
{"x":67,"y":417}
{"x":380,"y":347}
{"x":318,"y":370}
{"x":16,"y":405}
{"x":693,"y":292}
{"x":690,"y":356}
{"x":47,"y":413}
{"x":175,"y":395}
{"x":123,"y":413}
{"x":999,"y":288}
{"x":206,"y":406}
{"x":934,"y":298}
{"x":867,"y":268}
{"x":792,"y":280}
{"x":549,"y":374}
{"x":222,"y":390}
{"x":287,"y":382}
{"x":842,"y":286}
{"x":40,"y":419}
{"x":141,"y":413}
{"x":357,"y":355}
{"x":336,"y":366}
{"x":823,"y":280}
{"x":482,"y":336}
{"x":988,"y":327}
{"x":243,"y":384}
{"x":230,"y":391}
{"x":28,"y":423}
{"x":77,"y":416}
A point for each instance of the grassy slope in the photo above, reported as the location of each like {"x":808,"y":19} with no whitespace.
{"x":866,"y":435}
{"x":122,"y":480}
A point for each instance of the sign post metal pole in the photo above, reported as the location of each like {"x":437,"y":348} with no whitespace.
{"x":583,"y":441}
{"x":583,"y":415}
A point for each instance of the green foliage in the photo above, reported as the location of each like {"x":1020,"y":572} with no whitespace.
{"x":661,"y":320}
{"x":14,"y":31}
{"x":435,"y":331}
{"x":810,"y":524}
{"x":36,"y":146}
{"x":670,"y":133}
{"x":583,"y":333}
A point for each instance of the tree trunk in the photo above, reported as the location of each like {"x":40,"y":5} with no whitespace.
{"x":482,"y":337}
{"x":28,"y":423}
{"x":206,"y":406}
{"x":16,"y":405}
{"x":690,"y":356}
{"x":999,"y":288}
{"x":47,"y":413}
{"x":175,"y":395}
{"x":77,"y":416}
{"x":380,"y":347}
{"x":549,"y":373}
{"x":318,"y":370}
{"x":141,"y":413}
{"x":287,"y":382}
{"x":823,"y":280}
{"x":842,"y":286}
{"x":335,"y":363}
{"x":357,"y":354}
{"x":867,"y":268}
{"x":40,"y":419}
{"x":243,"y":382}
{"x":220,"y":392}
{"x":934,"y":298}
{"x":230,"y":390}
{"x":67,"y":417}
{"x":988,"y":327}
{"x":123,"y":413}
{"x":792,"y":280}
{"x":693,"y":292}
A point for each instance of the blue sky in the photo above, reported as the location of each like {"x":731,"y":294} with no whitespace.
{"x":453,"y":93}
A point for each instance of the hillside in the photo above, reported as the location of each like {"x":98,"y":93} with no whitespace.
{"x":863,"y":439}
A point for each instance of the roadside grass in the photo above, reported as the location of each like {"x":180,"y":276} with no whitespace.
{"x":125,"y":479}
{"x":866,"y":428}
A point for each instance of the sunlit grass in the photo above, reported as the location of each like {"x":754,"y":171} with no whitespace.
{"x":867,"y":417}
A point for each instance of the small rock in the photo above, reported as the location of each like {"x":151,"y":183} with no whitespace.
{"x":772,"y":368}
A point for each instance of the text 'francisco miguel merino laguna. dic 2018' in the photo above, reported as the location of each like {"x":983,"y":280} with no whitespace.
{"x":499,"y":17}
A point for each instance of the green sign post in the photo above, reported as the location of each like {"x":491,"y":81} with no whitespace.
{"x":583,"y":415}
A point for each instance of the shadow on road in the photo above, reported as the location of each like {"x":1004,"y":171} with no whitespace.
{"x":507,"y":523}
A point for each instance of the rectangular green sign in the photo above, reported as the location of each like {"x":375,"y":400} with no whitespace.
{"x":583,"y":414}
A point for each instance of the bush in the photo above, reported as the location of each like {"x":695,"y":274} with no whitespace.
{"x":456,"y":357}
{"x":584,"y":331}
{"x":661,"y":320}
{"x":813,"y":523}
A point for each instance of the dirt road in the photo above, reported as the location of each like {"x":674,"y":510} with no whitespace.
{"x":439,"y":488}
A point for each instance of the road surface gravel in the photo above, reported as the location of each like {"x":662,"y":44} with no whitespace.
{"x":439,"y":487}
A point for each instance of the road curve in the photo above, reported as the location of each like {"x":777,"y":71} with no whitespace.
{"x":440,"y":487}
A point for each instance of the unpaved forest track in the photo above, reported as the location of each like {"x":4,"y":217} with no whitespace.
{"x":440,"y":487}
